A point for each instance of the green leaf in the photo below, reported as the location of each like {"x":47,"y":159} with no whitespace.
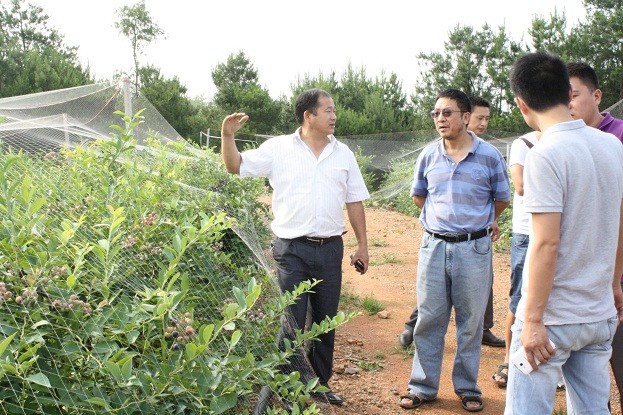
{"x":69,"y":348}
{"x":223,"y":403}
{"x":36,"y":206}
{"x":161,"y":308}
{"x":66,"y":235}
{"x":105,"y":347}
{"x":126,"y":369}
{"x":71,"y":281}
{"x":132,"y":335}
{"x":5,"y":343}
{"x":177,"y":243}
{"x":235,"y":338}
{"x":206,"y":333}
{"x":27,"y":189}
{"x":169,"y":253}
{"x":191,"y":351}
{"x":114,"y":369}
{"x":116,"y":223}
{"x":9,"y":368}
{"x":39,"y":379}
{"x":239,"y":296}
{"x":40,"y":323}
{"x":98,"y":401}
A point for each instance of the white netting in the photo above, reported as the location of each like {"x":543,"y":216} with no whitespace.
{"x":120,"y":246}
{"x":130,"y":265}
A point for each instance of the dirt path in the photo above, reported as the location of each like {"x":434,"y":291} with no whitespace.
{"x":371,"y":342}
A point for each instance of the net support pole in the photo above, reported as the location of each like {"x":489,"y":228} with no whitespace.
{"x":127,"y":98}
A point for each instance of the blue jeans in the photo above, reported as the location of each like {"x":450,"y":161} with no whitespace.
{"x":583,"y":353}
{"x":519,"y":249}
{"x":450,"y":275}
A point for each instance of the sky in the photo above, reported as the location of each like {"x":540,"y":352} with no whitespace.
{"x":287,"y":40}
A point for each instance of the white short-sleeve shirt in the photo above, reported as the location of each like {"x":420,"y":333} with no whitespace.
{"x":309,"y":193}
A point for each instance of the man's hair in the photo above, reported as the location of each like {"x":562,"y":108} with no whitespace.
{"x":585,"y":73}
{"x":308,"y":101}
{"x":541,"y":80}
{"x":461,"y":98}
{"x":479,"y":102}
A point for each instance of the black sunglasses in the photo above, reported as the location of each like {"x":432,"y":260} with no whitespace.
{"x":446,"y":112}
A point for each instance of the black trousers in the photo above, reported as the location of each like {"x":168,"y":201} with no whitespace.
{"x":298,"y":262}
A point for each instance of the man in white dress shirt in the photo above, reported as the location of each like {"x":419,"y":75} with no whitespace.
{"x":313,"y":176}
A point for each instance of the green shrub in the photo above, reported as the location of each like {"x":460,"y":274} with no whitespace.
{"x":129,"y":285}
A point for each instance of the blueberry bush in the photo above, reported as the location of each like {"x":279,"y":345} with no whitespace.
{"x":132,"y":283}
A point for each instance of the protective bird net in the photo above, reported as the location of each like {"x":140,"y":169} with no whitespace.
{"x":137,"y":276}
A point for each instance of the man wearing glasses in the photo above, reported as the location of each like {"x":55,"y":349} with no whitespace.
{"x":478,"y":124}
{"x":461,"y":184}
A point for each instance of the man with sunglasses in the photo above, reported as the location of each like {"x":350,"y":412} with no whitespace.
{"x":461,"y":184}
{"x":478,"y":124}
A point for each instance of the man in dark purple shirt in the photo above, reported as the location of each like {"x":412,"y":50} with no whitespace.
{"x":585,"y":100}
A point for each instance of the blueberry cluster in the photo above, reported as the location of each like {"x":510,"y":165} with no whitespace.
{"x":255,"y":315}
{"x":5,"y":294}
{"x":28,"y":295}
{"x":150,"y":219}
{"x":180,"y":331}
{"x":74,"y":303}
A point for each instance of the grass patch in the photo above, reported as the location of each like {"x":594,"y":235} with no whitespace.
{"x":349,"y":300}
{"x":372,"y":305}
{"x":370,"y":366}
{"x":406,"y":353}
{"x":350,"y":242}
{"x":386,"y":259}
{"x":379,"y":243}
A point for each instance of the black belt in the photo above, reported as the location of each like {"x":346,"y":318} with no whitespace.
{"x":313,"y":241}
{"x":461,"y":238}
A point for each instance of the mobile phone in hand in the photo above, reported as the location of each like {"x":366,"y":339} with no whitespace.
{"x":520,"y":359}
{"x":359,"y":266}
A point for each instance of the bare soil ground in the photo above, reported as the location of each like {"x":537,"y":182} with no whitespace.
{"x":370,"y":342}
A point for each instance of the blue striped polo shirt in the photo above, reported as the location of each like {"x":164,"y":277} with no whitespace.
{"x":460,"y":196}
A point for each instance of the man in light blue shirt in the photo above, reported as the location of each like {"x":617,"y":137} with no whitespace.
{"x":461,"y":184}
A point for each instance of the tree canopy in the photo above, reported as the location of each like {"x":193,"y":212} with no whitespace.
{"x":34,"y":57}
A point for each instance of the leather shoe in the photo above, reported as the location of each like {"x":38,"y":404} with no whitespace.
{"x":490,"y":339}
{"x":405,"y":338}
{"x":334,"y":398}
